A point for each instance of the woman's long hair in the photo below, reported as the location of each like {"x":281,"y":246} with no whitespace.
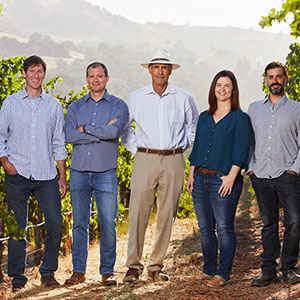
{"x":212,"y":100}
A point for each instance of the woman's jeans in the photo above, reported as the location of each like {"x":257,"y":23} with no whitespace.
{"x":216,"y":214}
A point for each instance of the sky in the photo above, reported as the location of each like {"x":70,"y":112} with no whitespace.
{"x":235,"y":13}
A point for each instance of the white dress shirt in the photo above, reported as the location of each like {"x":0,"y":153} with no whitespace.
{"x":162,"y":122}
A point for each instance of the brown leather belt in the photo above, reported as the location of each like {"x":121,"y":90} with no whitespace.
{"x":206,"y":171}
{"x":160,"y":152}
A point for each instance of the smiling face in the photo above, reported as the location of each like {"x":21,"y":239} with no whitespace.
{"x":160,"y":74}
{"x":223,"y":89}
{"x":276,"y":81}
{"x":34,"y":77}
{"x":97,"y":80}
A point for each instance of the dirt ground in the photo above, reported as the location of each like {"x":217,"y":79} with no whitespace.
{"x":183,"y":263}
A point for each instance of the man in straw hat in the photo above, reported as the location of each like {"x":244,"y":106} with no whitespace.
{"x":166,"y":119}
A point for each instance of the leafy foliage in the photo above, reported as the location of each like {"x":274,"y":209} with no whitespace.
{"x":289,"y":7}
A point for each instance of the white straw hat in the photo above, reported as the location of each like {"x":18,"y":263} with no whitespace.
{"x":161,"y":56}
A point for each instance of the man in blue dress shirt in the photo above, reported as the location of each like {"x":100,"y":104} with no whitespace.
{"x":274,"y":166}
{"x":93,"y":125}
{"x":31,"y":132}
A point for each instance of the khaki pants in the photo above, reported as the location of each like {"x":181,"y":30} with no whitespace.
{"x":164,"y":175}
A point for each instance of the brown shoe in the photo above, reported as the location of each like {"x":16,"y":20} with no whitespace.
{"x":131,"y":276}
{"x":108,"y":280}
{"x":204,"y":276}
{"x":217,"y":281}
{"x":76,"y":278}
{"x":158,"y":275}
{"x":49,"y":281}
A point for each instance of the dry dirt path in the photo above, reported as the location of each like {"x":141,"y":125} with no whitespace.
{"x":183,"y":263}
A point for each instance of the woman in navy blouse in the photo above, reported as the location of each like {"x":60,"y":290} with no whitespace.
{"x":215,"y":181}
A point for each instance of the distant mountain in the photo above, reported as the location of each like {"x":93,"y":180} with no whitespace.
{"x":72,"y":33}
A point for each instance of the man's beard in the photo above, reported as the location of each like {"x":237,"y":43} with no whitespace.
{"x":277,"y":91}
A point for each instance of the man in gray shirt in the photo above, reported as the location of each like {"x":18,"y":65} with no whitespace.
{"x":274,"y":166}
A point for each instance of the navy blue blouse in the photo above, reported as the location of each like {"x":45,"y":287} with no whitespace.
{"x":220,"y":145}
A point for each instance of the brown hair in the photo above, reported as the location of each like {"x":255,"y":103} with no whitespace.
{"x":33,"y":60}
{"x":274,"y":65}
{"x":212,"y":100}
{"x":95,"y":65}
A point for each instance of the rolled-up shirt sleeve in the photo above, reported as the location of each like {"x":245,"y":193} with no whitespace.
{"x":58,"y":140}
{"x":112,"y":131}
{"x":241,"y":141}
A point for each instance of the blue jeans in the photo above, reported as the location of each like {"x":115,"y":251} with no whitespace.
{"x":18,"y":189}
{"x":216,"y":214}
{"x":105,"y":188}
{"x":269,"y":192}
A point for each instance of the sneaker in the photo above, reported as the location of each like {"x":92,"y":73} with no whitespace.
{"x":76,"y":278}
{"x":158,"y":275}
{"x":131,"y":276}
{"x":217,"y":281}
{"x":49,"y":281}
{"x":108,"y":280}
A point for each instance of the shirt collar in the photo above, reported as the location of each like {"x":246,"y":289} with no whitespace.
{"x":25,"y":95}
{"x":280,"y":102}
{"x":106,"y":97}
{"x":169,"y":90}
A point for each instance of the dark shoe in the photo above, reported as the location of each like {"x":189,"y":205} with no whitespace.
{"x":158,"y":275}
{"x":49,"y":281}
{"x":264,"y":279}
{"x":17,"y":286}
{"x":131,"y":276}
{"x":108,"y":280}
{"x":291,"y":277}
{"x":76,"y":278}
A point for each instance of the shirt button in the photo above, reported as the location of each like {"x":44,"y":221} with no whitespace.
{"x":270,"y":137}
{"x":269,"y":148}
{"x":94,"y":114}
{"x":89,"y":153}
{"x":271,"y":126}
{"x":205,"y":158}
{"x":204,"y":166}
{"x":93,"y":123}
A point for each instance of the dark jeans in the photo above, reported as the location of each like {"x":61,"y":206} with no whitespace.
{"x":215,"y":213}
{"x":18,"y":189}
{"x":269,"y":192}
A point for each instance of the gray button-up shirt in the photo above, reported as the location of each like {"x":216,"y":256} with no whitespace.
{"x":275,"y":144}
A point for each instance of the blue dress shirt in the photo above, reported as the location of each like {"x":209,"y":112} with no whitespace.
{"x":220,"y":145}
{"x":96,"y":149}
{"x":31,"y":131}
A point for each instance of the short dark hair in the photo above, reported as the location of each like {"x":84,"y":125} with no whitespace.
{"x":212,"y":100}
{"x":34,"y":60}
{"x":95,"y":65}
{"x":274,"y":65}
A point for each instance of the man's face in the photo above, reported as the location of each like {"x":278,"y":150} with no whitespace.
{"x":160,"y":73}
{"x":276,"y":81}
{"x":96,"y":79}
{"x":34,"y":76}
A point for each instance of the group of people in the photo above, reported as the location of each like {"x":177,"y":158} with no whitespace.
{"x":265,"y":142}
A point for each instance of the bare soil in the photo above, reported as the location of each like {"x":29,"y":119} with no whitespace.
{"x":183,"y":263}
